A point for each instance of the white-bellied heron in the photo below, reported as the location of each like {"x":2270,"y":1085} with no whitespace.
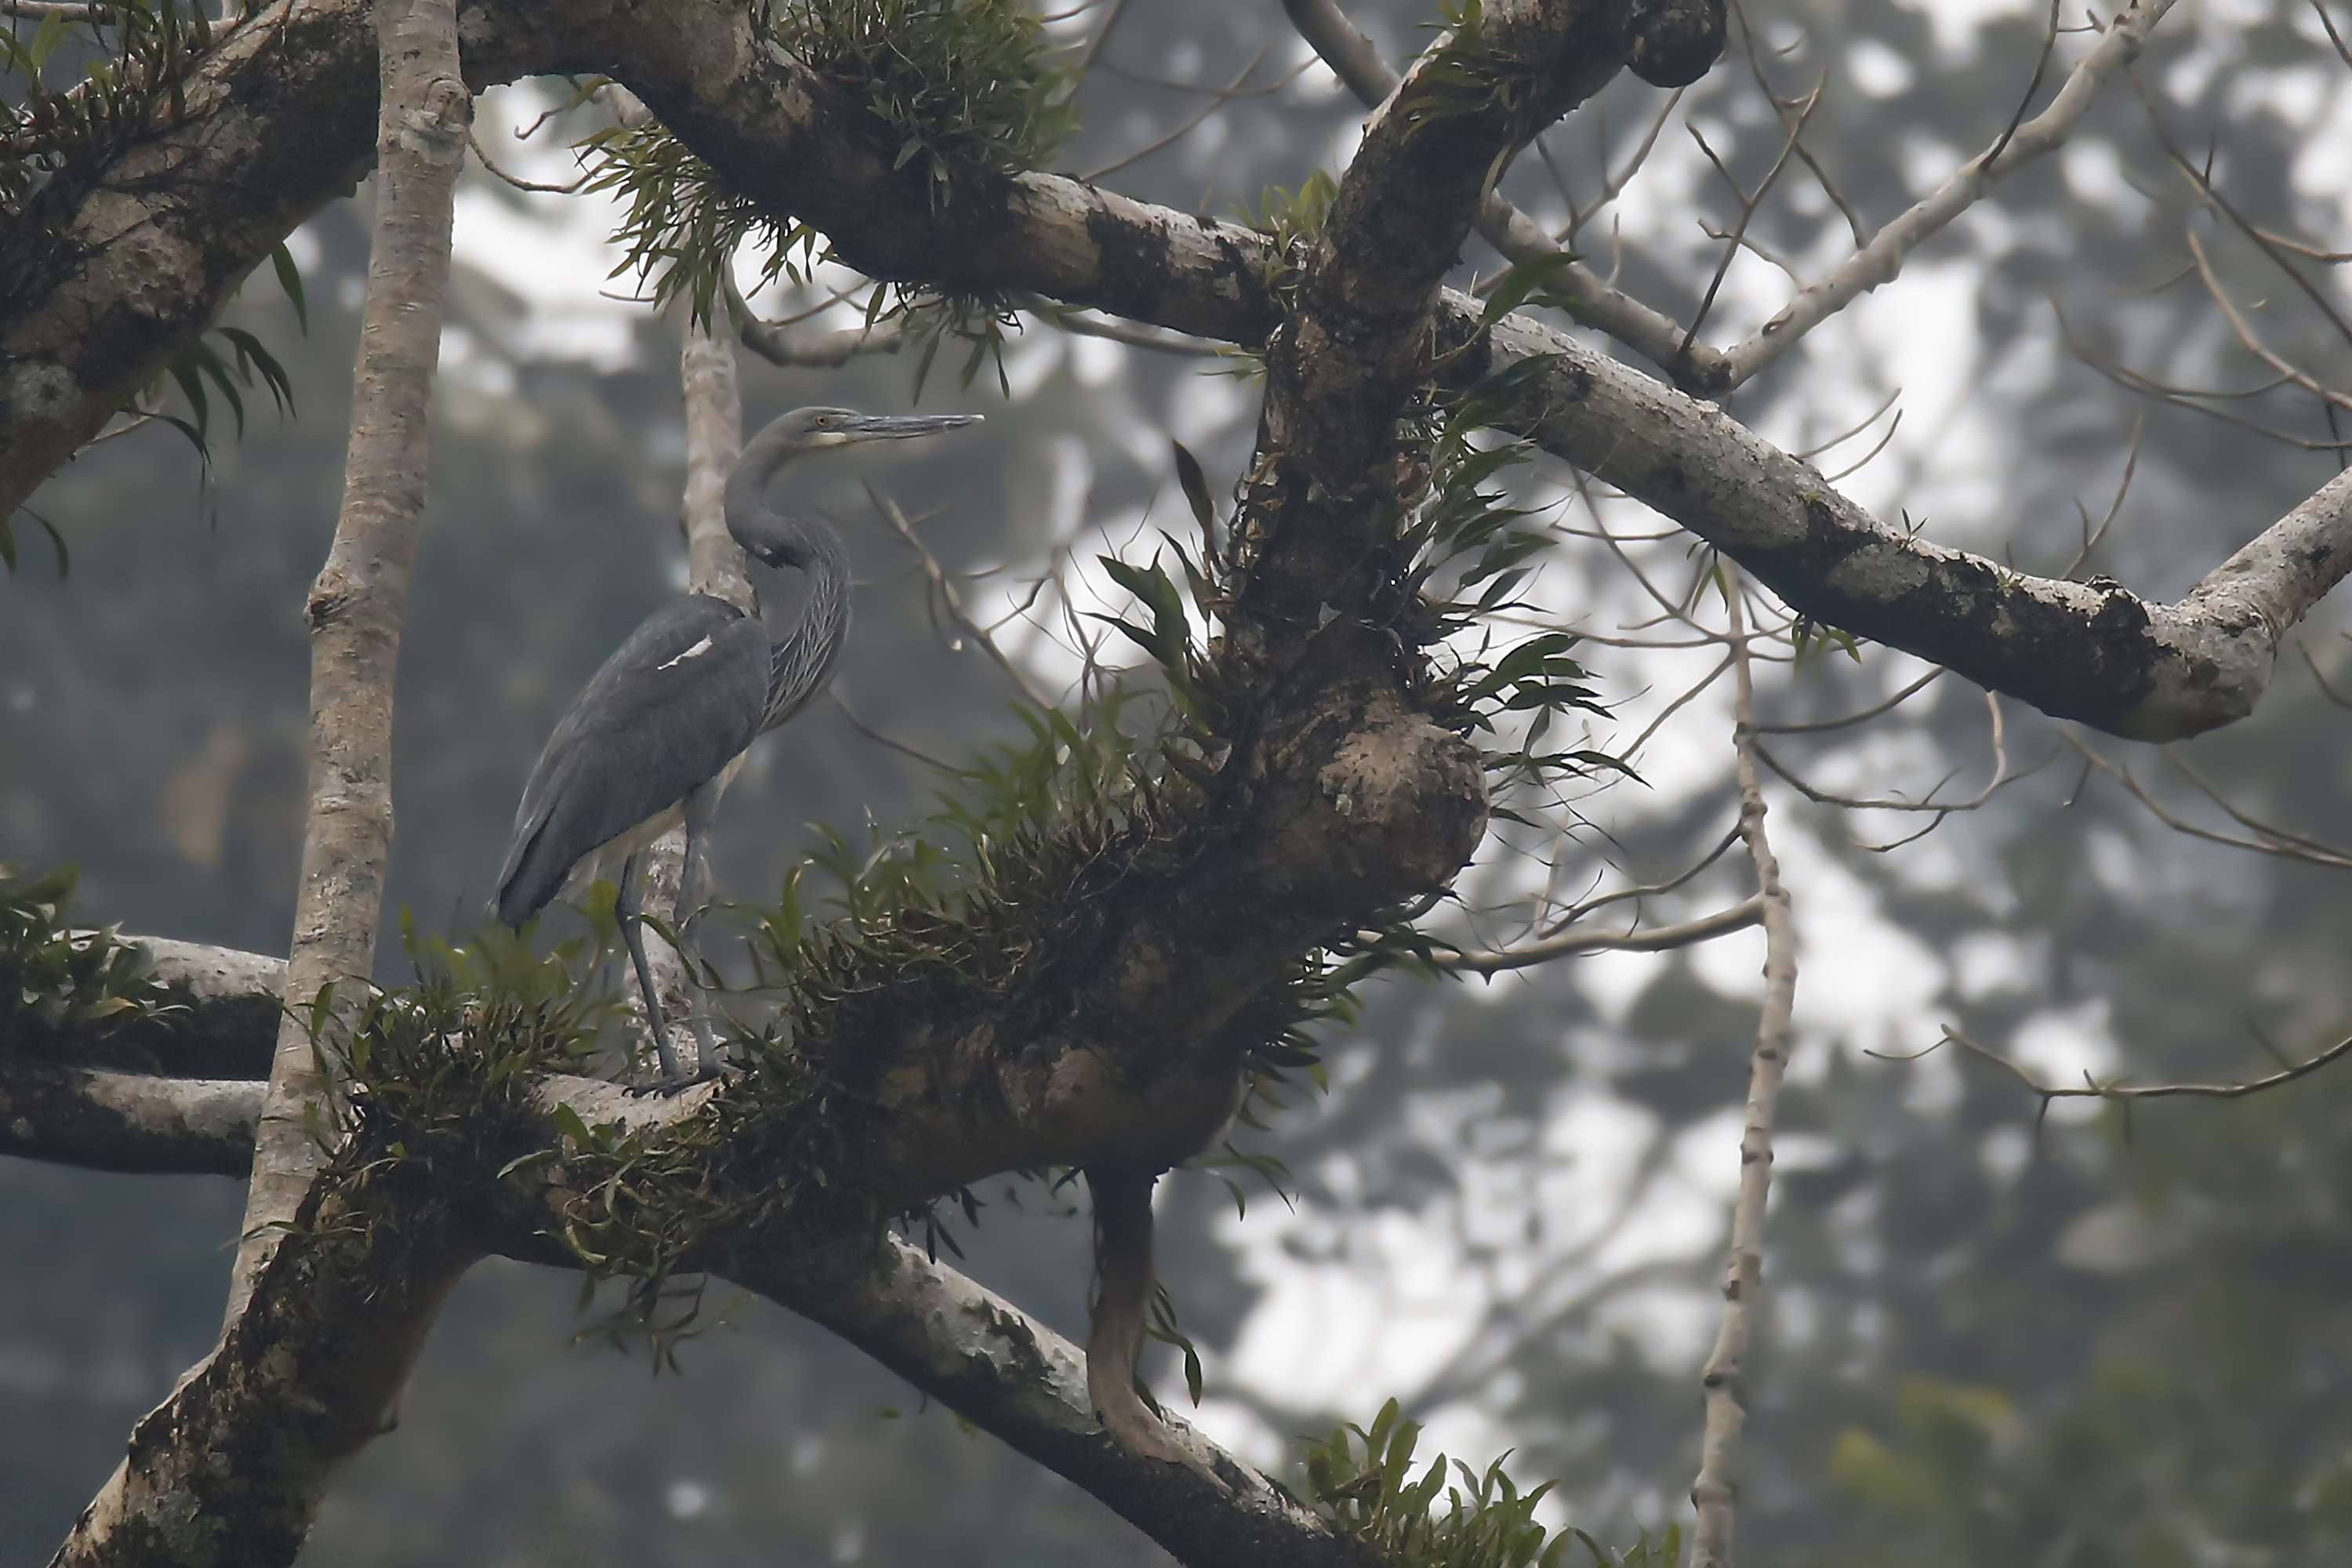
{"x":665,"y":724}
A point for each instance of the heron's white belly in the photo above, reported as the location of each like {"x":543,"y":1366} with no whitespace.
{"x":604,"y":862}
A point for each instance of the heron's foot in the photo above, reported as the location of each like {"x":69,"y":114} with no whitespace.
{"x":671,"y":1085}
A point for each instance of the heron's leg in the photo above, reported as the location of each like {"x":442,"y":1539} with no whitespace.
{"x":701,"y":803}
{"x":632,"y":934}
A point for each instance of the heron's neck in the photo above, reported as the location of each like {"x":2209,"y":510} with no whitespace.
{"x":801,"y":661}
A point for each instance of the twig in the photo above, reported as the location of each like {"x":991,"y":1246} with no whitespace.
{"x":1724,"y":1379}
{"x":1888,"y":705}
{"x":1879,"y":261}
{"x":1657,"y":939}
{"x":945,"y":598}
{"x":41,"y":10}
{"x":1218,"y":99}
{"x":483,"y":158}
{"x":2093,"y":1090}
{"x":2290,"y":846}
{"x":832,"y":693}
{"x":1088,"y":324}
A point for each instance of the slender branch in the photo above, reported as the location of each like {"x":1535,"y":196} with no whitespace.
{"x":1882,"y":259}
{"x":944,"y":595}
{"x":1872,"y":711}
{"x":361,"y":598}
{"x":716,"y":567}
{"x":2288,"y":846}
{"x":1088,"y":324}
{"x":822,"y":351}
{"x":2094,"y":1090}
{"x":1656,"y":938}
{"x":482,"y":157}
{"x":1725,"y":1376}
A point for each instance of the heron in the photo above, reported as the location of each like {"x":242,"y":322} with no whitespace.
{"x":660,"y":731}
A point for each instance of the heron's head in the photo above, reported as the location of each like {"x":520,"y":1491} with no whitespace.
{"x":819,"y":429}
{"x":779,"y":539}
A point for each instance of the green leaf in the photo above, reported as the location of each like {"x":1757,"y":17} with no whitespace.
{"x":1196,"y":487}
{"x":56,"y":542}
{"x":1521,"y":283}
{"x":45,"y":39}
{"x":567,"y":1121}
{"x":289,"y":278}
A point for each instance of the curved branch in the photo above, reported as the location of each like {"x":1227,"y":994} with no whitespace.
{"x":2095,"y":652}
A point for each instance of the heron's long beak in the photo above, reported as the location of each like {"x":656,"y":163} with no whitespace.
{"x":900,"y":427}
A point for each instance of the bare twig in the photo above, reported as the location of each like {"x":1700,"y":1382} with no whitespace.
{"x":2094,"y":1090}
{"x":2269,"y":841}
{"x":1656,"y":938}
{"x":2001,"y":776}
{"x":833,"y":694}
{"x":1882,"y":259}
{"x":1725,"y":1376}
{"x":1218,"y":99}
{"x":517,"y":181}
{"x":944,"y":595}
{"x":1088,"y":324}
{"x":1888,"y":705}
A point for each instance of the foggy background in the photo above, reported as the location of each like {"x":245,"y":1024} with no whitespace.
{"x":1983,"y":1340}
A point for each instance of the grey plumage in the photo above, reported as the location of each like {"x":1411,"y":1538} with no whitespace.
{"x":675,"y":703}
{"x":664,"y":723}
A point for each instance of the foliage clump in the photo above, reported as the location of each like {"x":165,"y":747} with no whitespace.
{"x":1362,"y":1482}
{"x":964,"y":89}
{"x":60,"y":980}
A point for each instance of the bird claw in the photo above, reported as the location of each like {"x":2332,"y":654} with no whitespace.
{"x":671,"y":1088}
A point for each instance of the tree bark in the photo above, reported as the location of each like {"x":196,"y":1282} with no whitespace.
{"x":361,"y":597}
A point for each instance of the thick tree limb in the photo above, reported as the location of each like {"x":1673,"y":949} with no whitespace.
{"x":1654,"y":335}
{"x":106,"y":1120}
{"x":232,"y":1467}
{"x":361,"y":598}
{"x":2097,"y":653}
{"x":261,"y":151}
{"x":1004,"y":1372}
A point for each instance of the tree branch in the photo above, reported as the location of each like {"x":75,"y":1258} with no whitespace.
{"x":361,"y":598}
{"x":1879,"y":261}
{"x":104,"y":1121}
{"x":1724,"y":1378}
{"x":1656,"y":939}
{"x":2096,"y":653}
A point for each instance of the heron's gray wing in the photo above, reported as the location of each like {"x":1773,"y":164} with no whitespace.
{"x":672,"y":707}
